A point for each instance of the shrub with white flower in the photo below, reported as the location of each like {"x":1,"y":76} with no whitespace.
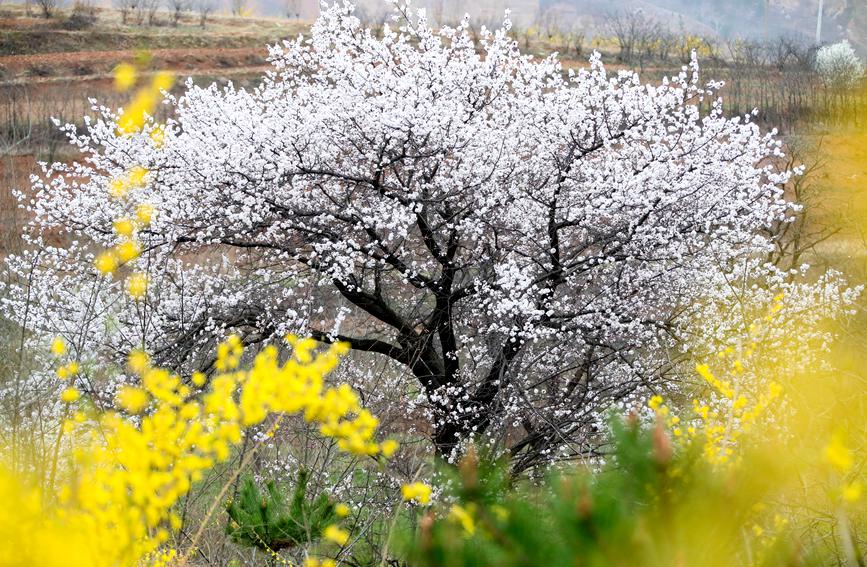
{"x":839,"y":65}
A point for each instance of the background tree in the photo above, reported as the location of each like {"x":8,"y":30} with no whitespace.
{"x":47,"y":7}
{"x":125,"y":7}
{"x":177,"y":8}
{"x":239,"y":7}
{"x":204,"y":8}
{"x":838,"y":65}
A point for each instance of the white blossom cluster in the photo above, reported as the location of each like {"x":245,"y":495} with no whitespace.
{"x":530,"y":246}
{"x":839,"y":65}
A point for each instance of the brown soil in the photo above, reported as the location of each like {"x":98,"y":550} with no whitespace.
{"x":64,"y":64}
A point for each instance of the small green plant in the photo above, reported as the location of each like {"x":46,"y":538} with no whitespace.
{"x":651,"y":503}
{"x":264,"y":519}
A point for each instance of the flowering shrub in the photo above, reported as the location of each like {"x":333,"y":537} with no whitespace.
{"x":116,"y":502}
{"x":839,"y":65}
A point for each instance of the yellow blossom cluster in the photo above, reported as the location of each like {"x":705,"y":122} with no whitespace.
{"x":417,"y":492}
{"x":130,"y":472}
{"x":739,"y":405}
{"x":841,"y":459}
{"x":142,"y":105}
{"x":720,"y":429}
{"x":465,"y":516}
{"x":723,"y":429}
{"x":34,"y":535}
{"x":336,"y":534}
{"x":133,"y":119}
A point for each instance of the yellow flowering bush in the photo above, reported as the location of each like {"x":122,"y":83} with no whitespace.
{"x":117,"y":502}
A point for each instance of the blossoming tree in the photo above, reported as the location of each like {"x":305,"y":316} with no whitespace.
{"x":839,"y":65}
{"x":530,"y":246}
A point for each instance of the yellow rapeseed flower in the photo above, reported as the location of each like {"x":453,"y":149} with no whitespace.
{"x":124,"y":77}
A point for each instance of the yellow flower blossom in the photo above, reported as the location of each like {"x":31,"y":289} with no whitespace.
{"x":158,"y":136}
{"x":128,"y":250}
{"x":70,"y":395}
{"x":137,"y":176}
{"x":722,"y":387}
{"x":131,"y":473}
{"x":138,"y":361}
{"x":144,"y":214}
{"x":137,"y":285}
{"x":106,"y":262}
{"x":463,"y":516}
{"x":124,"y":77}
{"x":417,"y":492}
{"x":135,"y":115}
{"x":838,"y":455}
{"x":67,"y":370}
{"x":58,"y":346}
{"x":163,"y":81}
{"x":118,"y":187}
{"x":123,"y":227}
{"x":852,"y":491}
{"x":342,"y":510}
{"x":388,"y":447}
{"x":336,"y":534}
{"x":132,"y":399}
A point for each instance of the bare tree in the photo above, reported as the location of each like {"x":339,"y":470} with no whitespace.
{"x":47,"y":7}
{"x":666,"y":42}
{"x":150,"y":8}
{"x":125,"y":7}
{"x":637,"y":35}
{"x":293,"y":9}
{"x":204,"y":8}
{"x":177,"y":8}
{"x":239,"y":7}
